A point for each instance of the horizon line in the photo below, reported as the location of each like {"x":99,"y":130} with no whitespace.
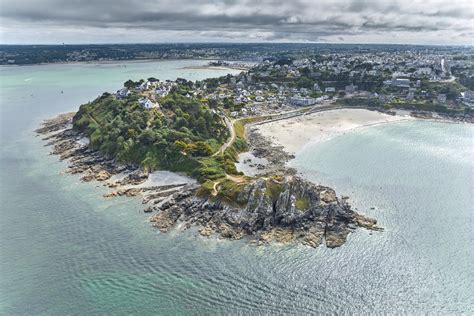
{"x":230,"y":43}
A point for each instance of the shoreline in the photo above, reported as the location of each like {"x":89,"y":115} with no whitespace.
{"x":114,"y":61}
{"x":283,"y":208}
{"x":295,"y":133}
{"x":208,"y":67}
{"x":271,"y":146}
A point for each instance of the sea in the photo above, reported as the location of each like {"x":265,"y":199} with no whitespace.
{"x":66,"y":250}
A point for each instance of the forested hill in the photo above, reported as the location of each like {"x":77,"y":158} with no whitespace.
{"x":180,"y":133}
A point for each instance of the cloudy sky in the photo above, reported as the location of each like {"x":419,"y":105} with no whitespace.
{"x":154,"y":21}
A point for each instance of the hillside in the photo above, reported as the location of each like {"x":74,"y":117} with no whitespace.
{"x":180,"y":134}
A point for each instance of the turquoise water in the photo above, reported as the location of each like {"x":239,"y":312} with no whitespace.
{"x":66,"y":250}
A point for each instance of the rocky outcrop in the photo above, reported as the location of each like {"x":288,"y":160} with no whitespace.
{"x":269,"y":210}
{"x":262,"y":147}
{"x":83,"y":160}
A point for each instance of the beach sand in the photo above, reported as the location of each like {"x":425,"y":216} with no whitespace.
{"x":294,"y":133}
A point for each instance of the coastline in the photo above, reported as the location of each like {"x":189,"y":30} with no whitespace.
{"x":117,"y":61}
{"x":282,"y":208}
{"x":208,"y":67}
{"x":294,"y":134}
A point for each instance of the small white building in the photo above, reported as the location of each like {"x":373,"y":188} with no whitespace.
{"x":350,"y":88}
{"x":161,"y":92}
{"x":468,"y":96}
{"x":122,"y":93}
{"x":147,"y":103}
{"x":401,"y":82}
{"x":144,"y":86}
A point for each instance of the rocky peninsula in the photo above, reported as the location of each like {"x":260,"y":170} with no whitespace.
{"x":282,"y":207}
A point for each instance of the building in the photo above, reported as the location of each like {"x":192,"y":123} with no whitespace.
{"x":330,"y":89}
{"x":401,"y":82}
{"x":161,"y":92}
{"x":122,"y":93}
{"x":147,"y":103}
{"x":468,"y":96}
{"x":144,"y":86}
{"x":350,"y":88}
{"x":441,"y":98}
{"x":424,"y":71}
{"x":301,"y":101}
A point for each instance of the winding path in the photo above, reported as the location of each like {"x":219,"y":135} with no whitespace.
{"x":228,"y":143}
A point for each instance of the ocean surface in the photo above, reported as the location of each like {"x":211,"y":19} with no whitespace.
{"x":66,"y":250}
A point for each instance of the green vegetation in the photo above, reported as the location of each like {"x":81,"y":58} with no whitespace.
{"x":302,"y":203}
{"x":229,"y":192}
{"x":451,"y":89}
{"x":421,"y":105}
{"x":274,"y":189}
{"x":181,"y":136}
{"x":206,"y":189}
{"x":371,"y":102}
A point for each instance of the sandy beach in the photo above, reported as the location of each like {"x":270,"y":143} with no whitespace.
{"x":294,"y":133}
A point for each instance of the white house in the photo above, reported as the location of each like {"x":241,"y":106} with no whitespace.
{"x":122,"y":93}
{"x":144,"y":86}
{"x":147,"y":103}
{"x":162,"y":92}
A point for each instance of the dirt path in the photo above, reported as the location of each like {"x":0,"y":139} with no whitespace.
{"x":214,"y":189}
{"x":230,"y":127}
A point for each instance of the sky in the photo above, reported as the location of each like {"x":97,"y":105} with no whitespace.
{"x":164,"y":21}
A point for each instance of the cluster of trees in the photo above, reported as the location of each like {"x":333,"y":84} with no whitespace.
{"x":451,"y":89}
{"x":175,"y":137}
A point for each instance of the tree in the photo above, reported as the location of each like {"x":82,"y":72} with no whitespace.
{"x":201,"y":124}
{"x":129,"y":84}
{"x":147,"y":137}
{"x":304,"y":82}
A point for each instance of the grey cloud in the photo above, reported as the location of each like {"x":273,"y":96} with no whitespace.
{"x":301,"y":20}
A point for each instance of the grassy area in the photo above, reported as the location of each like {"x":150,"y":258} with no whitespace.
{"x":206,"y":189}
{"x":302,"y":203}
{"x":229,"y":192}
{"x":274,"y":189}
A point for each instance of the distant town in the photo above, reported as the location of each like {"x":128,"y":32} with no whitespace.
{"x":425,"y":80}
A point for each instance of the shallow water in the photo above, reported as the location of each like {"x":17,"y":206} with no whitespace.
{"x":66,"y":250}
